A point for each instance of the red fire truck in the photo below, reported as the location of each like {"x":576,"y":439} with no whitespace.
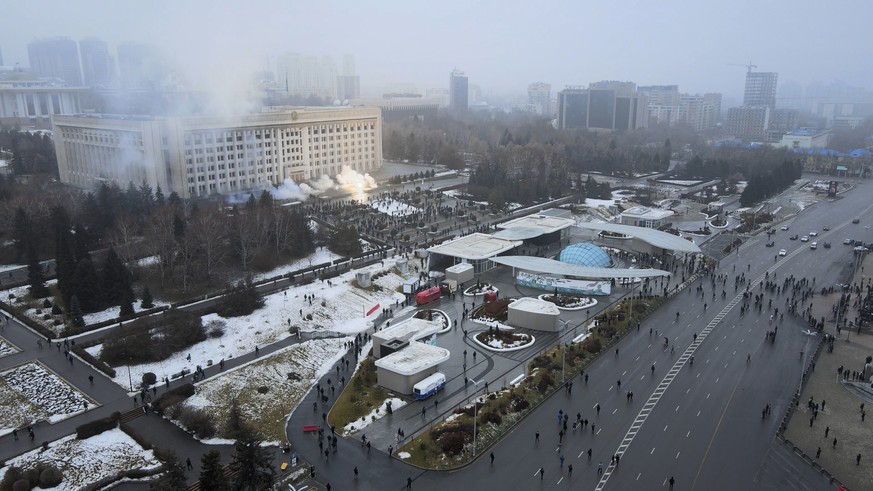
{"x":429,"y":295}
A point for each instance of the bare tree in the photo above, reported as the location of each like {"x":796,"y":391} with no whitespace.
{"x":208,"y":230}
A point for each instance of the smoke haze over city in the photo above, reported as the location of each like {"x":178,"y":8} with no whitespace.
{"x":501,"y":45}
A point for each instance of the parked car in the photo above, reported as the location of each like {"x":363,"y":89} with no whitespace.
{"x":814,"y":234}
{"x":826,"y":245}
{"x":804,"y":239}
{"x":856,"y":221}
{"x":813,"y":246}
{"x":793,"y":237}
{"x":849,"y":242}
{"x":770,"y":244}
{"x":826,"y":228}
{"x":785,"y":227}
{"x":782,"y":252}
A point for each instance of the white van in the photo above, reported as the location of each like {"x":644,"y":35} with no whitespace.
{"x":429,"y":386}
{"x":814,"y":245}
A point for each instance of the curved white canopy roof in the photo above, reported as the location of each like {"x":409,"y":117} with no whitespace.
{"x":550,"y":266}
{"x":647,"y":235}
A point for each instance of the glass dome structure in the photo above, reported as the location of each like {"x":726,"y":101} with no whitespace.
{"x":585,"y":254}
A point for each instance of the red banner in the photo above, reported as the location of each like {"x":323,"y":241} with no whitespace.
{"x":372,"y":310}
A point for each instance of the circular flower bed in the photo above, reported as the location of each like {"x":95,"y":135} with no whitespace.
{"x":480,"y":289}
{"x":436,"y":315}
{"x":569,"y":302}
{"x":503,"y":340}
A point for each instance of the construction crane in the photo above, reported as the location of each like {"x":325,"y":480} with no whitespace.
{"x":748,"y":66}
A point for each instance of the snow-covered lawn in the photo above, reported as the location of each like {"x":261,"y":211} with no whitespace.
{"x":393,"y":207}
{"x":378,"y":413}
{"x":30,"y":393}
{"x":320,"y":256}
{"x":287,"y":374}
{"x":83,"y":462}
{"x":343,"y":312}
{"x":6,"y":348}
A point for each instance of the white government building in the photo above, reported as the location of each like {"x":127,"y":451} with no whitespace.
{"x":204,"y":155}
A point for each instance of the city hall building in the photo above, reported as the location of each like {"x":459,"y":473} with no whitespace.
{"x":203,"y":155}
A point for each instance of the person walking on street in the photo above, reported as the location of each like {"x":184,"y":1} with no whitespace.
{"x":570,"y":470}
{"x":188,"y":463}
{"x":600,"y":469}
{"x":542,"y":473}
{"x":356,"y":472}
{"x":537,"y":437}
{"x":408,"y":483}
{"x":589,"y":455}
{"x":672,"y":482}
{"x":492,"y":458}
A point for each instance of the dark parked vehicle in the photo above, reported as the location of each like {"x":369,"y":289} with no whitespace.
{"x":826,"y":245}
{"x":793,"y":237}
{"x":770,"y":244}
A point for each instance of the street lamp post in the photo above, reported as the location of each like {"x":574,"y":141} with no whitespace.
{"x":475,"y":412}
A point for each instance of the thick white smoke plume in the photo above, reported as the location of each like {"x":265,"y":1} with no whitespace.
{"x":348,"y":180}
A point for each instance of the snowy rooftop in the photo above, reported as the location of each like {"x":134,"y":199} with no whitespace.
{"x":535,"y":305}
{"x":646,"y":212}
{"x":647,"y":235}
{"x":410,"y":328}
{"x":459,"y":268}
{"x":474,"y":247}
{"x":545,"y":224}
{"x":413,"y":359}
{"x":559,"y":268}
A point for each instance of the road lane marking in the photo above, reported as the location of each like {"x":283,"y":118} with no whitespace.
{"x":614,"y":410}
{"x":689,"y":432}
{"x":638,"y":358}
{"x":677,"y":409}
{"x":652,"y":452}
{"x":638,"y":476}
{"x":665,"y":427}
{"x":663,"y":386}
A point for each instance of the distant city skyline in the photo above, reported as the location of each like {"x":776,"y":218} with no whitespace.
{"x":398,"y":44}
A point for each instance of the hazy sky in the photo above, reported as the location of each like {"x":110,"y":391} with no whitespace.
{"x":501,"y":45}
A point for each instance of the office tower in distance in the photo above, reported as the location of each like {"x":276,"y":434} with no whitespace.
{"x":55,"y":57}
{"x":760,"y":89}
{"x":539,"y":96}
{"x":98,"y":68}
{"x":606,"y":105}
{"x":458,"y":91}
{"x":348,"y":85}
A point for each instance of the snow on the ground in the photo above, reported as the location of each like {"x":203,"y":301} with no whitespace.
{"x":599,"y":203}
{"x":114,"y":312}
{"x":343,"y":312}
{"x":454,"y":193}
{"x":83,"y":462}
{"x":29,"y":393}
{"x":267,"y":412}
{"x":320,"y":256}
{"x":10,"y":267}
{"x":404,"y":455}
{"x":679,"y":182}
{"x":145,"y":262}
{"x":6,"y":348}
{"x":393,"y":207}
{"x":378,"y":413}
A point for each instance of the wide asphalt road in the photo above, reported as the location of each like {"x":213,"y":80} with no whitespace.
{"x":700,"y":423}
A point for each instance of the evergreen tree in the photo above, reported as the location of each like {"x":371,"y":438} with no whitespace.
{"x":87,"y":287}
{"x":35,"y":277}
{"x":160,"y":200}
{"x":174,"y":478}
{"x":76,"y":311}
{"x":126,"y":303}
{"x":147,"y":300}
{"x":265,"y":200}
{"x":211,"y":473}
{"x":81,"y":242}
{"x":345,"y":241}
{"x":252,"y":463}
{"x":21,"y":232}
{"x":65,"y":261}
{"x":116,"y":279}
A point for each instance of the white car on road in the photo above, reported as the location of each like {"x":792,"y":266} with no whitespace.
{"x":782,"y":252}
{"x":813,"y":234}
{"x":804,"y":239}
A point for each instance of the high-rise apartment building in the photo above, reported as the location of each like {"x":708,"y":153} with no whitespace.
{"x":700,"y":112}
{"x":203,"y":155}
{"x":458,"y":91}
{"x":539,"y":96}
{"x":760,"y":89}
{"x":661,"y":95}
{"x":55,"y":57}
{"x":607,"y":105}
{"x":307,"y":76}
{"x":749,"y":122}
{"x":98,"y":69}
